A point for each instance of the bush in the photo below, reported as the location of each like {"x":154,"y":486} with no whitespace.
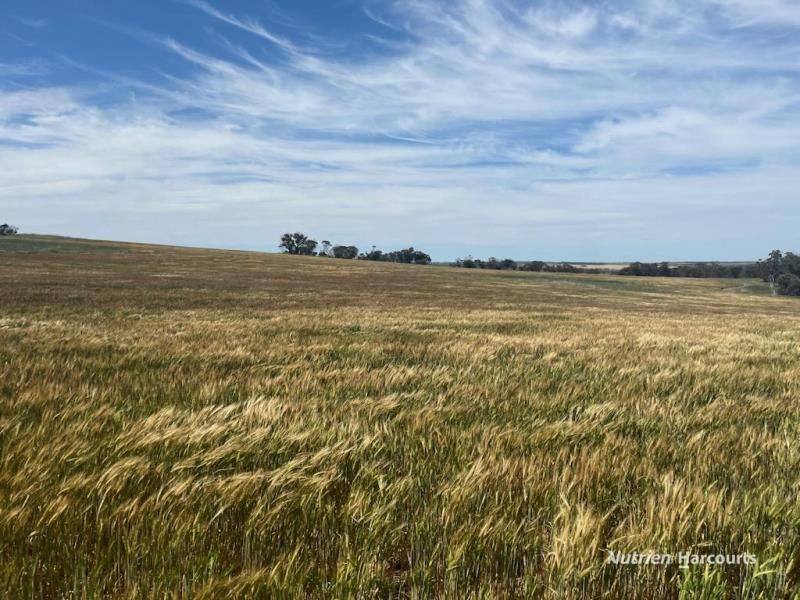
{"x":6,"y":229}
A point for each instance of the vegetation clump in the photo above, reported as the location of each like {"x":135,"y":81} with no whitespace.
{"x":782,"y":270}
{"x":300,"y":243}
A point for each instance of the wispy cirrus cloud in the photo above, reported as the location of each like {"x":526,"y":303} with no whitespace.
{"x":745,"y":13}
{"x":33,"y":23}
{"x":550,"y":129}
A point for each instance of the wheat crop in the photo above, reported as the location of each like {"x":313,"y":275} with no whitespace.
{"x":196,"y":424}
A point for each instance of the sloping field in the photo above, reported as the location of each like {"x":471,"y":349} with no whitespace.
{"x":209,"y":424}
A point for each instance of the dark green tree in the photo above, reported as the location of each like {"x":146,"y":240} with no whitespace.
{"x":508,"y":264}
{"x":297,"y":243}
{"x":348,"y":252}
{"x":788,"y":284}
{"x":373,"y":254}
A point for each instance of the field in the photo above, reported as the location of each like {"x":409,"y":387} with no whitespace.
{"x":206,"y":424}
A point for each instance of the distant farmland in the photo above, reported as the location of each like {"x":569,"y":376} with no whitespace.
{"x":207,"y":424}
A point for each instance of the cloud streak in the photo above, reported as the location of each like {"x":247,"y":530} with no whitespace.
{"x":555,"y":129}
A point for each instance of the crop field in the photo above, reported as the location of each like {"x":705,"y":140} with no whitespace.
{"x":190,"y":423}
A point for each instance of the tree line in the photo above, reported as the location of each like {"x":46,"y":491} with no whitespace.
{"x":300,"y":244}
{"x":6,"y":229}
{"x":490,"y":263}
{"x":508,"y":264}
{"x":781,"y":270}
{"x":701,"y":269}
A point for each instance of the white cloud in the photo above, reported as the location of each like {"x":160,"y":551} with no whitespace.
{"x":567,"y":122}
{"x":745,"y":13}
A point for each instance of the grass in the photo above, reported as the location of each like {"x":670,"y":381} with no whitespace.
{"x":205,"y":424}
{"x":55,"y":244}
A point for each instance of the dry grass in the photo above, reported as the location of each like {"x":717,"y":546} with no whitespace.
{"x":201,"y":424}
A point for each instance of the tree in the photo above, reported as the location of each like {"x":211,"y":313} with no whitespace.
{"x":6,"y":229}
{"x":373,"y":254}
{"x":791,"y":263}
{"x":634,"y":269}
{"x":561,"y":268}
{"x":420,"y":258}
{"x":700,"y":269}
{"x":770,"y":268}
{"x":400,"y":256}
{"x":408,"y":256}
{"x":348,"y":252}
{"x":782,"y":271}
{"x":297,"y":243}
{"x":508,"y":264}
{"x":788,"y":284}
{"x":536,"y":266}
{"x":326,"y":248}
{"x":466,"y":263}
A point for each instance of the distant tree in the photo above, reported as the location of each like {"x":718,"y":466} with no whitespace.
{"x":400,"y":256}
{"x":782,"y":271}
{"x":562,"y":268}
{"x":770,"y":268}
{"x":466,"y":263}
{"x":536,"y":266}
{"x":6,"y":229}
{"x":700,"y":269}
{"x":297,"y":243}
{"x":489,"y":263}
{"x":788,"y":284}
{"x":325,"y":249}
{"x":420,"y":258}
{"x":408,"y":256}
{"x":508,"y":264}
{"x":348,"y":252}
{"x":373,"y":254}
{"x":634,"y":269}
{"x":791,"y":263}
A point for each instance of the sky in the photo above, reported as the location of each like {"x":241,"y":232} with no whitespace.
{"x":553,"y":130}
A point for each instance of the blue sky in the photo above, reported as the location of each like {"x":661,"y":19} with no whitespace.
{"x":605,"y":131}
